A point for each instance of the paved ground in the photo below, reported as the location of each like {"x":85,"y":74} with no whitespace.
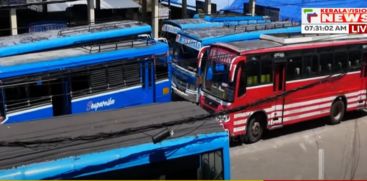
{"x":309,"y":150}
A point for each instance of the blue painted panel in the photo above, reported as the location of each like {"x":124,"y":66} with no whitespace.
{"x":29,"y":115}
{"x":120,"y":158}
{"x":160,"y":96}
{"x":68,"y":41}
{"x":71,"y":62}
{"x":112,"y":100}
{"x":183,"y":75}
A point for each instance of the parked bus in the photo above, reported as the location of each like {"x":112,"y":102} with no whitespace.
{"x":190,"y":49}
{"x":171,"y":28}
{"x":39,"y":41}
{"x":232,"y":20}
{"x":145,"y":143}
{"x":280,"y":80}
{"x":83,"y":79}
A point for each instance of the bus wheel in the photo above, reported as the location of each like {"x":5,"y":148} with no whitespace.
{"x":337,"y":112}
{"x":254,"y":130}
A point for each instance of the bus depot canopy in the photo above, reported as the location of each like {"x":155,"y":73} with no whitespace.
{"x":105,"y":4}
{"x":291,"y":9}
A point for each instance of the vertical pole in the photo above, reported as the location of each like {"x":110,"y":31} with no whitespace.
{"x":144,"y":10}
{"x":251,"y":7}
{"x":208,"y":7}
{"x":91,"y":12}
{"x":184,"y":9}
{"x":155,"y":18}
{"x":13,"y":21}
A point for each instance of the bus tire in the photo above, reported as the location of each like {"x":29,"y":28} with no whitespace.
{"x":254,"y":130}
{"x":337,"y":112}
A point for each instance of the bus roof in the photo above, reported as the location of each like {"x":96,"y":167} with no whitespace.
{"x":281,"y":42}
{"x":199,"y":38}
{"x":57,"y":160}
{"x":175,"y":26}
{"x":31,"y":42}
{"x":78,"y":56}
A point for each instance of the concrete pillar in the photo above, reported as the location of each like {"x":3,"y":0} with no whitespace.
{"x":91,"y":12}
{"x":184,"y":9}
{"x":144,"y":10}
{"x":208,"y":6}
{"x":155,"y":18}
{"x":251,"y":7}
{"x":13,"y":21}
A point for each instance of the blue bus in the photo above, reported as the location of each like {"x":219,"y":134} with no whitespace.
{"x":39,"y":41}
{"x":145,"y":142}
{"x":190,"y":49}
{"x":88,"y":78}
{"x":233,"y":20}
{"x":171,"y":28}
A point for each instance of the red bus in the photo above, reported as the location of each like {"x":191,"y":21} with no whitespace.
{"x":282,"y":80}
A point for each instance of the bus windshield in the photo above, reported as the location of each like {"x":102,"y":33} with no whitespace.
{"x":185,"y":57}
{"x":216,"y":79}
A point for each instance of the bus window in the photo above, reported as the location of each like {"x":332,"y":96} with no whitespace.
{"x":98,"y":79}
{"x":161,"y":70}
{"x":242,"y":81}
{"x":326,"y":62}
{"x":16,"y":97}
{"x":340,"y":61}
{"x":310,"y":66}
{"x":266,"y":75}
{"x":294,"y":68}
{"x":2,"y":107}
{"x":354,"y":61}
{"x":39,"y":93}
{"x":132,"y":74}
{"x":79,"y":83}
{"x":115,"y":76}
{"x":252,"y":71}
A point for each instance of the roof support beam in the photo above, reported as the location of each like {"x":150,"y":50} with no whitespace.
{"x":91,"y":12}
{"x":155,"y":18}
{"x":251,"y":7}
{"x":184,"y":9}
{"x":13,"y":21}
{"x":208,"y":6}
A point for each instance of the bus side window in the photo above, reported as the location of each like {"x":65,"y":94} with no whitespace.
{"x":242,"y":81}
{"x":161,"y":70}
{"x":341,"y":61}
{"x":79,"y":83}
{"x":326,"y":62}
{"x":354,"y":60}
{"x":2,"y":105}
{"x":16,"y":97}
{"x":266,"y":75}
{"x":310,"y":66}
{"x":294,"y":68}
{"x":252,"y":71}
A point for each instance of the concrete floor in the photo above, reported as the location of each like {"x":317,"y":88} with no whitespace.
{"x":310,"y":150}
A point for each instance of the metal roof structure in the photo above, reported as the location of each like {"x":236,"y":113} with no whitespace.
{"x":105,"y":4}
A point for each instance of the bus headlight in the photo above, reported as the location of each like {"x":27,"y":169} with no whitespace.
{"x":223,"y":118}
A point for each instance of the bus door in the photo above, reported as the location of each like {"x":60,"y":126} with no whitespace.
{"x":61,"y":100}
{"x":278,"y":89}
{"x":147,"y":68}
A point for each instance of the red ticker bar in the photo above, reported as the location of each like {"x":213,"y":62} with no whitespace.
{"x":357,"y":28}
